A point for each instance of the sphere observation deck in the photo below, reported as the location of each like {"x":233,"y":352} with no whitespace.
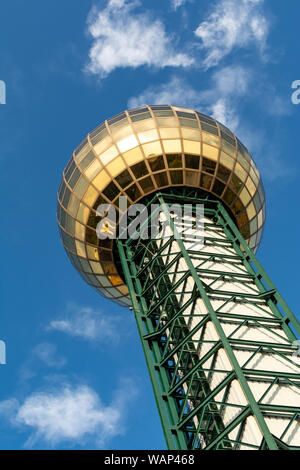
{"x":139,"y":152}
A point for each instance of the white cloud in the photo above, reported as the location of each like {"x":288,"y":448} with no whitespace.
{"x":176,"y":92}
{"x":70,"y":414}
{"x":41,"y":355}
{"x":47,"y":353}
{"x":221,"y":100}
{"x":122,"y":38}
{"x":8,"y":407}
{"x":88,"y":323}
{"x":177,"y":3}
{"x":232,"y":24}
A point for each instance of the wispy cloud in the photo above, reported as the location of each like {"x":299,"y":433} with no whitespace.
{"x":177,"y":3}
{"x":44,"y":354}
{"x":47,"y":353}
{"x":89,"y":324}
{"x":220,"y":100}
{"x":232,"y":24}
{"x":124,"y":38}
{"x":70,"y":414}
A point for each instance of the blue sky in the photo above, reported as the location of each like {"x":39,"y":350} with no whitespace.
{"x":75,"y":376}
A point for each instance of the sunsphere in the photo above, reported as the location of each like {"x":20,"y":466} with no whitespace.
{"x":138,"y":152}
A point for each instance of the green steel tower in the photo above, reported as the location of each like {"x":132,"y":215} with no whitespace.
{"x":219,"y":340}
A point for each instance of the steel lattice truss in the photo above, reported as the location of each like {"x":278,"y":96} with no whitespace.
{"x":216,"y":334}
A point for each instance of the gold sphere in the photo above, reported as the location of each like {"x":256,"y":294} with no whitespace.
{"x":139,"y":152}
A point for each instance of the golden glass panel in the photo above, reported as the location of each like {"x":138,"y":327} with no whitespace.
{"x":157,"y":163}
{"x":242,"y":160}
{"x":190,"y":146}
{"x":148,"y":136}
{"x":80,"y":248}
{"x":245,"y":197}
{"x":191,"y":178}
{"x":109,"y":268}
{"x":174,"y":160}
{"x":104,"y":281}
{"x":253,"y":225}
{"x":226,"y":160}
{"x":229,"y":196}
{"x":113,"y":292}
{"x":79,"y":231}
{"x":245,"y":231}
{"x":116,"y":166}
{"x":255,"y":169}
{"x":109,"y":154}
{"x":237,"y":206}
{"x":140,"y":169}
{"x":260,"y":218}
{"x":251,"y":211}
{"x":83,"y":153}
{"x":93,"y":169}
{"x":176,"y":177}
{"x":205,"y":181}
{"x":90,"y":196}
{"x":145,"y":125}
{"x":101,"y":180}
{"x":152,"y":148}
{"x":250,"y":186}
{"x":167,"y":122}
{"x":242,"y":219}
{"x":210,"y":139}
{"x":192,"y":161}
{"x":146,"y":184}
{"x":123,"y":289}
{"x":218,"y":187}
{"x":98,"y":134}
{"x":186,"y":110}
{"x":120,"y":130}
{"x":108,"y":295}
{"x":133,"y":156}
{"x":83,"y":213}
{"x":208,"y":165}
{"x":210,"y":152}
{"x":223,"y":173}
{"x":103,"y":145}
{"x":92,"y":252}
{"x":254,"y":178}
{"x":96,"y":267}
{"x":169,"y":133}
{"x":252,"y":242}
{"x":184,"y":122}
{"x":124,"y":179}
{"x":127,"y":143}
{"x":81,"y":186}
{"x":115,"y":279}
{"x":191,"y":134}
{"x":172,"y":146}
{"x":73,"y":205}
{"x":228,"y":148}
{"x":86,"y":267}
{"x":161,"y":179}
{"x":240,"y":172}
